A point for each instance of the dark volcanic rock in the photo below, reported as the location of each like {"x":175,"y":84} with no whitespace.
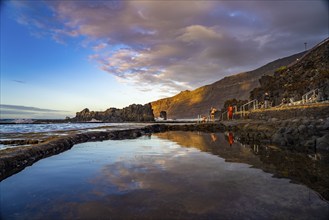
{"x":19,"y":142}
{"x":132,"y":113}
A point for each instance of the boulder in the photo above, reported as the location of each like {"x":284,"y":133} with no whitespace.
{"x":322,"y":143}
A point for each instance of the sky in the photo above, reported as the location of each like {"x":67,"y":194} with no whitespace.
{"x":59,"y":57}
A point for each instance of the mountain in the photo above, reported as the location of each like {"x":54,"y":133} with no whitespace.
{"x":189,"y":104}
{"x":310,"y":72}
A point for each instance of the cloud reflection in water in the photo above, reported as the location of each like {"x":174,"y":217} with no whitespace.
{"x":169,"y":177}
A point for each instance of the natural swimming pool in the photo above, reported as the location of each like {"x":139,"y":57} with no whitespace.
{"x":171,"y":175}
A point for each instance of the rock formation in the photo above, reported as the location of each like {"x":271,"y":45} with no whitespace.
{"x":189,"y":104}
{"x":163,"y":115}
{"x":307,"y":73}
{"x":132,"y":113}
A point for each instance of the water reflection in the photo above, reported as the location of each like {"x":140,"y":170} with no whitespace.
{"x":167,"y":176}
{"x":306,"y":169}
{"x":230,"y":138}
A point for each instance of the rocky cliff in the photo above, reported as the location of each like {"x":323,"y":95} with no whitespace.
{"x":307,"y":73}
{"x":188,"y":104}
{"x":132,"y":113}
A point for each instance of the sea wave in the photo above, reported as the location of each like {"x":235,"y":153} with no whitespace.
{"x":28,"y":128}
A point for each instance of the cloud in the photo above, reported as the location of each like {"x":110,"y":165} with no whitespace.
{"x":198,"y":33}
{"x":100,"y":46}
{"x":27,"y":108}
{"x":18,"y":111}
{"x":178,"y":45}
{"x":19,"y":81}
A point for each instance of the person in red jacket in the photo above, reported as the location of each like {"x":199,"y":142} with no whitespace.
{"x":230,"y":112}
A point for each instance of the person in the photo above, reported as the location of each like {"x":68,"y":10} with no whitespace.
{"x":230,"y":112}
{"x":212,"y":113}
{"x":266,"y":100}
{"x":203,"y":119}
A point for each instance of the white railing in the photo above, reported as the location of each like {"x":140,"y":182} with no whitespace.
{"x":202,"y":118}
{"x":306,"y":98}
{"x":309,"y":96}
{"x":223,"y":114}
{"x":254,"y":106}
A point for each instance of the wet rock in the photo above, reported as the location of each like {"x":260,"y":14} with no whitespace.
{"x":289,"y":130}
{"x":322,"y":143}
{"x":282,"y":130}
{"x":310,"y":130}
{"x":19,"y":142}
{"x":311,"y":143}
{"x":137,"y":134}
{"x":326,"y":125}
{"x":319,"y":127}
{"x":277,"y":138}
{"x":302,"y":129}
{"x":284,"y":123}
{"x":289,"y":139}
{"x":296,"y":120}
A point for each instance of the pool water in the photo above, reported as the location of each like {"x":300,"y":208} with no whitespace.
{"x":172,"y":175}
